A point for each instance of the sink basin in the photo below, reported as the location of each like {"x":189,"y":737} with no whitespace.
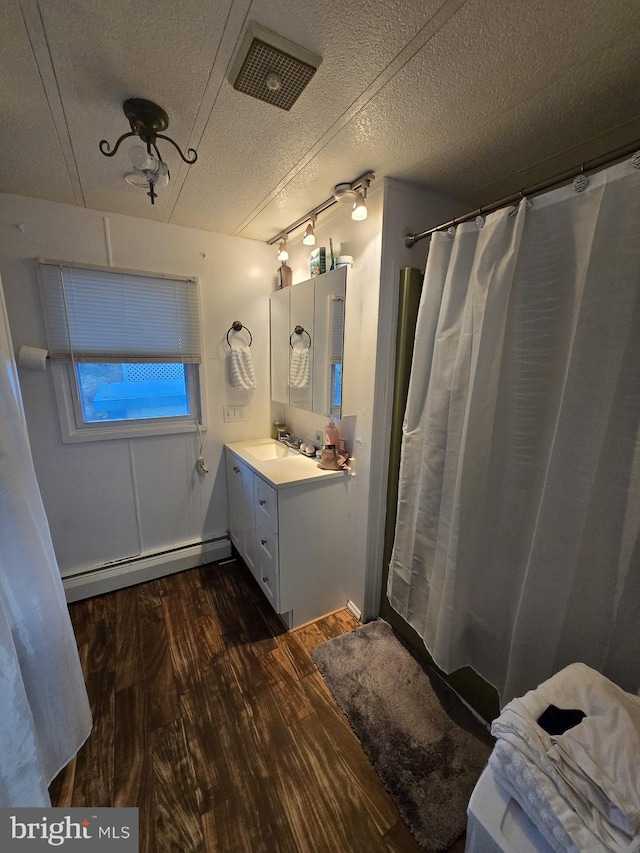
{"x":270,"y":450}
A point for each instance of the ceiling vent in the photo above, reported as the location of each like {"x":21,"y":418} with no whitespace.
{"x":272,"y":68}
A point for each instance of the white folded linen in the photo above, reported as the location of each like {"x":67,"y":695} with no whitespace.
{"x":599,"y":759}
{"x":241,"y":369}
{"x":541,"y":801}
{"x":588,"y":830}
{"x":595,"y":767}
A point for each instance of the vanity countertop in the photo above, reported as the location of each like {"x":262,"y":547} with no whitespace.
{"x":280,"y":472}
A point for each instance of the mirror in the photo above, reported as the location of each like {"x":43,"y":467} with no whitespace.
{"x":328,"y":324}
{"x":301,"y":335}
{"x":307,"y":343}
{"x":279,"y":305}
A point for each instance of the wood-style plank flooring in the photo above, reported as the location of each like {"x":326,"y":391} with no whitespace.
{"x":215,"y":722}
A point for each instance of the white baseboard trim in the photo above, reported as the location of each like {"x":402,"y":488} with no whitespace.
{"x":354,"y":610}
{"x":110,"y":578}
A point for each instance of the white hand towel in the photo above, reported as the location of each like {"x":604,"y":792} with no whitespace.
{"x":299,"y":368}
{"x":241,"y":368}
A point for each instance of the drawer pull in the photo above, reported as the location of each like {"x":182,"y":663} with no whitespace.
{"x":262,"y":503}
{"x":265,"y":580}
{"x":263,"y":541}
{"x":236,"y":469}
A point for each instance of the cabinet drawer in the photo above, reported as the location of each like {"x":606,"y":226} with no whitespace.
{"x":269,"y":582}
{"x":266,"y":505}
{"x":267,"y":543}
{"x":267,"y":564}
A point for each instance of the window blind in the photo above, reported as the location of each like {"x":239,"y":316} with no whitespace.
{"x":100,"y":315}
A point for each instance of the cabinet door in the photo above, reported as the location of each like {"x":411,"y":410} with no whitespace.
{"x":242,"y":523}
{"x":329,"y":317}
{"x":267,"y":561}
{"x":266,"y":501}
{"x":235,"y":502}
{"x":279,"y":305}
{"x":301,"y":346}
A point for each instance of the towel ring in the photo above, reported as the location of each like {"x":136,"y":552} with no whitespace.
{"x":237,"y":326}
{"x":299,"y":331}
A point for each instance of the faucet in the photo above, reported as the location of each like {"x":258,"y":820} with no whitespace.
{"x":292,"y":441}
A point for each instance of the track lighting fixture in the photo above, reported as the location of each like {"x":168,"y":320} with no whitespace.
{"x":359,"y":211}
{"x":283,"y":255}
{"x":309,"y":238}
{"x":147,"y":120}
{"x":354,"y":194}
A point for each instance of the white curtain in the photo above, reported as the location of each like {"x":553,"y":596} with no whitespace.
{"x":517,"y":548}
{"x":44,"y":711}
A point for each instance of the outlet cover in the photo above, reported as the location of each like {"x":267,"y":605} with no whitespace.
{"x":319,"y":438}
{"x":233,"y":414}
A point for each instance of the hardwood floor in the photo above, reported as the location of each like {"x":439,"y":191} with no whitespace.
{"x":215,"y":722}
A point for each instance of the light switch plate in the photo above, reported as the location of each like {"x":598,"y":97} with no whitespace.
{"x":234,"y":413}
{"x":319,"y":438}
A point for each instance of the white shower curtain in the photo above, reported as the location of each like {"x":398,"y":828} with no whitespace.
{"x":517,"y":548}
{"x":44,"y":710}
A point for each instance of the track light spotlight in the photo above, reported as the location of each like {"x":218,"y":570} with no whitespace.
{"x":283,"y":255}
{"x":309,"y":238}
{"x":359,"y":211}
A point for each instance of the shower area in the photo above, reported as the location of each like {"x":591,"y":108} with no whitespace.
{"x":513,"y":507}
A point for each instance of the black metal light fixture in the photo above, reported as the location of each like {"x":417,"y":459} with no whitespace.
{"x":147,"y":121}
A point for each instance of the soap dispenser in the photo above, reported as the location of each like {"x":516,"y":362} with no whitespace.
{"x":331,"y":435}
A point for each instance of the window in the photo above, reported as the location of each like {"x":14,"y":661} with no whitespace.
{"x":125,"y":349}
{"x":125,"y":392}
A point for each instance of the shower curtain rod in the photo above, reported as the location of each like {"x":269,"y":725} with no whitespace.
{"x":589,"y":166}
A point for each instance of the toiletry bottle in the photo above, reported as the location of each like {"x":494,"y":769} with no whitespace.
{"x":285,"y":276}
{"x":278,"y":426}
{"x":331,"y":435}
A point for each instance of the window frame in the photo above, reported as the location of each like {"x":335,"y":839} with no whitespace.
{"x":74,"y":428}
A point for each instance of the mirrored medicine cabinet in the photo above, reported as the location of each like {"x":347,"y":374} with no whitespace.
{"x":307,"y":343}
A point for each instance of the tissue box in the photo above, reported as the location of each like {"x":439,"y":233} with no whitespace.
{"x":318,"y":261}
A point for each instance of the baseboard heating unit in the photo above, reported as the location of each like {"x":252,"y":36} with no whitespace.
{"x":146,"y":567}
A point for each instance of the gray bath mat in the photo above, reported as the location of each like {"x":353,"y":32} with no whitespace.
{"x":426,"y":746}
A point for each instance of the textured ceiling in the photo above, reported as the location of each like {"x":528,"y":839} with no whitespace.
{"x":473,"y":98}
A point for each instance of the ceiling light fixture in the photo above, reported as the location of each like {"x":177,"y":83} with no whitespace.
{"x":147,"y":120}
{"x":283,"y":255}
{"x":359,"y":211}
{"x":354,"y":194}
{"x":349,"y":193}
{"x":309,"y":238}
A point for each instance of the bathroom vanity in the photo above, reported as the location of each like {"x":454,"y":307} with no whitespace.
{"x":288,"y":521}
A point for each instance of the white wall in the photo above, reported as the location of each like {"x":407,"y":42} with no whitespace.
{"x":372,"y":292}
{"x":109,"y":500}
{"x":362,"y":240}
